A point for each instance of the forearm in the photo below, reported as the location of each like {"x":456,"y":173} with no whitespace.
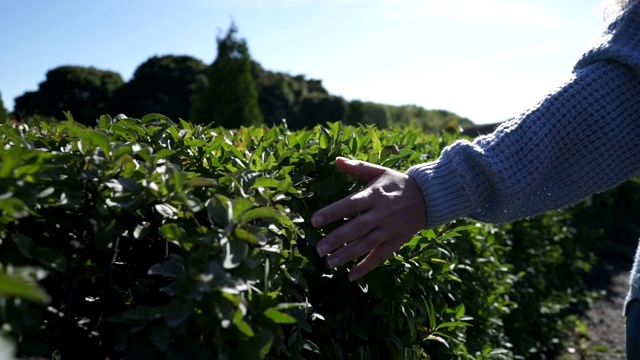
{"x":582,"y":139}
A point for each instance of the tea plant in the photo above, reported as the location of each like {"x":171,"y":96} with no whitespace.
{"x":146,"y":239}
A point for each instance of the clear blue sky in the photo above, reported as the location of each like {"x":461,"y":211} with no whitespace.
{"x":483,"y":59}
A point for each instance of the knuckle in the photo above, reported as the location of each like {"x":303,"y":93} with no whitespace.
{"x":361,"y":226}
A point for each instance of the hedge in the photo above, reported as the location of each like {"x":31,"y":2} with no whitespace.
{"x":150,"y":239}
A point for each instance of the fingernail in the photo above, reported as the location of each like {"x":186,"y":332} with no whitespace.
{"x":317,"y":220}
{"x":332,"y":262}
{"x":323,"y":250}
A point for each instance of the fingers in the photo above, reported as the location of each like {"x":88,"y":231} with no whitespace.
{"x":383,"y":216}
{"x":362,"y":226}
{"x":356,"y":248}
{"x":376,"y":257}
{"x":353,"y":204}
{"x":344,"y":208}
{"x":361,"y":169}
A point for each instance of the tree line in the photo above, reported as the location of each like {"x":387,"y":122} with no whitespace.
{"x":3,"y":112}
{"x":233,"y":91}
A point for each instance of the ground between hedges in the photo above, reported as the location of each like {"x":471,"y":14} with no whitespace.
{"x":600,"y":333}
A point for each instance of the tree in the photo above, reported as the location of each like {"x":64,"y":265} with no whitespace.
{"x":84,"y":91}
{"x":277,"y":95}
{"x":427,"y":119}
{"x":162,"y":84}
{"x":230,"y":98}
{"x":283,"y":96}
{"x":3,"y":112}
{"x":368,"y":113}
{"x":355,"y":113}
{"x":317,"y":109}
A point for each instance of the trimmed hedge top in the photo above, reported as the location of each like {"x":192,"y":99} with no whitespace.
{"x":147,"y":239}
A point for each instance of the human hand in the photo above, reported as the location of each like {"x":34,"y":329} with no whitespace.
{"x":388,"y":212}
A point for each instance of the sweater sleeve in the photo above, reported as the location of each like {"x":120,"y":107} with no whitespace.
{"x":582,"y":138}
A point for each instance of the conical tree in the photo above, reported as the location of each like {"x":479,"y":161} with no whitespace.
{"x":230,"y":98}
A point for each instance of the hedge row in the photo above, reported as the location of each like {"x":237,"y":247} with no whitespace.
{"x":149,"y":239}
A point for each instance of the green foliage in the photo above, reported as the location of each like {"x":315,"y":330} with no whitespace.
{"x":148,"y":239}
{"x":230,"y":97}
{"x":234,"y":91}
{"x":368,"y":113}
{"x":83,"y":91}
{"x":426,"y":119}
{"x":384,"y":116}
{"x":317,"y":108}
{"x":300,"y":101}
{"x":4,"y":115}
{"x":277,"y":94}
{"x":162,"y":84}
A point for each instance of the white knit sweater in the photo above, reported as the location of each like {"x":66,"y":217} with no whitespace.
{"x":582,"y":138}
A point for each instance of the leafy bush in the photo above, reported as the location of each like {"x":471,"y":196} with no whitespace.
{"x":153,"y":239}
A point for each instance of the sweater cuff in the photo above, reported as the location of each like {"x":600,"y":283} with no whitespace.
{"x":444,"y":196}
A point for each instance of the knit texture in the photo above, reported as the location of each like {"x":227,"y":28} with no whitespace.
{"x":582,"y":138}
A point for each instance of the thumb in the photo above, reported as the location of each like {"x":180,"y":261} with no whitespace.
{"x":361,"y":169}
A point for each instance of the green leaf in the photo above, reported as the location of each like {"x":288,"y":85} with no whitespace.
{"x":285,"y":185}
{"x":234,"y":252}
{"x":161,"y":337}
{"x":499,"y":352}
{"x":245,"y":235}
{"x":451,"y":324}
{"x":265,"y":182}
{"x":171,"y":268}
{"x":255,"y":348}
{"x":164,"y":153}
{"x":241,"y":324}
{"x":279,"y":317}
{"x":22,"y":288}
{"x":25,"y":245}
{"x":10,"y":160}
{"x":151,"y":117}
{"x":171,"y":231}
{"x":240,"y":206}
{"x":265,"y":213}
{"x":141,"y":231}
{"x":50,"y":258}
{"x":46,"y":192}
{"x":167,"y":211}
{"x":104,"y":121}
{"x":460,"y":310}
{"x":177,"y":312}
{"x":311,"y":346}
{"x":68,"y":115}
{"x":185,"y":125}
{"x":375,"y":141}
{"x":27,"y":170}
{"x":438,"y":339}
{"x":431,"y":314}
{"x":14,"y":208}
{"x":225,"y":311}
{"x":220,"y":210}
{"x":100,"y":139}
{"x":201,"y":182}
